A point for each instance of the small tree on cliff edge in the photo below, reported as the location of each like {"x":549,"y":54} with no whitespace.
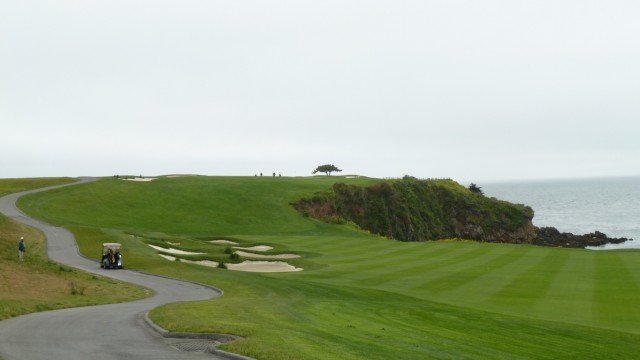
{"x":327,"y":169}
{"x":476,"y":189}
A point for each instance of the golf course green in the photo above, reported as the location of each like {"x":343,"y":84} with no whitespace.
{"x":359,"y":296}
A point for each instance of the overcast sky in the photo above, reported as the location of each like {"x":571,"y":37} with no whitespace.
{"x":469,"y":90}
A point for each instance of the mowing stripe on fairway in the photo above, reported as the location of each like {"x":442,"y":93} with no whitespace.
{"x":569,"y":294}
{"x":614,"y":279}
{"x":363,"y":250}
{"x":357,"y":253}
{"x":410,"y":267}
{"x":380,"y":265}
{"x":530,"y":286}
{"x":515,"y":261}
{"x":444,"y":266}
{"x":471,"y":270}
{"x":632,"y":263}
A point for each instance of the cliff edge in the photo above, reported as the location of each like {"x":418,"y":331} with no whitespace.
{"x":411,"y":209}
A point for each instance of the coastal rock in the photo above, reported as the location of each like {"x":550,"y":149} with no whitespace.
{"x":524,"y":234}
{"x":550,"y":236}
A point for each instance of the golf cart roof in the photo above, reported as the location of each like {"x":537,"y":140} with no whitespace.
{"x":112,"y":246}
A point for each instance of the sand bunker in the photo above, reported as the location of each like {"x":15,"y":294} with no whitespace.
{"x":255,"y":248}
{"x":208,"y":263}
{"x":140,"y":179}
{"x":263,"y":266}
{"x":223,"y":242}
{"x":200,"y":262}
{"x":263,"y":248}
{"x":174,"y":251}
{"x":248,"y":266}
{"x":261,"y":256}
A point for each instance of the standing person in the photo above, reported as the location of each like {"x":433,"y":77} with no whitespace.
{"x":21,"y":248}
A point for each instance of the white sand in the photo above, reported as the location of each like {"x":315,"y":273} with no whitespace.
{"x":140,"y":179}
{"x":255,"y":248}
{"x":208,"y":263}
{"x":175,"y":251}
{"x":263,"y":266}
{"x":223,"y":242}
{"x":248,"y":266}
{"x":201,"y":262}
{"x":261,"y":256}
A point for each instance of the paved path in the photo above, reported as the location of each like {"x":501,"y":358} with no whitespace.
{"x":116,"y":331}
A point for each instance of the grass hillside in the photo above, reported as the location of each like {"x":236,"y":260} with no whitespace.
{"x":38,"y":284}
{"x":359,"y":296}
{"x":9,"y":186}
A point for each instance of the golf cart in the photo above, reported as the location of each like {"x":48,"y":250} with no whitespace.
{"x":111,"y":256}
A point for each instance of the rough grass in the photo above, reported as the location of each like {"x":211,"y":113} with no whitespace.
{"x":8,"y":186}
{"x":38,"y":284}
{"x":360,"y":296}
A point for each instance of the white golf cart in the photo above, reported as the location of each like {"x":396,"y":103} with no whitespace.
{"x":111,"y":256}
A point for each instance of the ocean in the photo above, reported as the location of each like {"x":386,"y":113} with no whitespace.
{"x":579,"y":206}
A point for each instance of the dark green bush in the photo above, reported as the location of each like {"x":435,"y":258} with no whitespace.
{"x":411,"y":210}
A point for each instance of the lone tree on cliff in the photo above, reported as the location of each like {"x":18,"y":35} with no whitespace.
{"x":476,"y":189}
{"x":327,"y":169}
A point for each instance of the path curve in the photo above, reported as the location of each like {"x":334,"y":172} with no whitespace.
{"x":115,"y":331}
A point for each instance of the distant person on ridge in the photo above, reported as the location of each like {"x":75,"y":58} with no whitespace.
{"x":21,"y":248}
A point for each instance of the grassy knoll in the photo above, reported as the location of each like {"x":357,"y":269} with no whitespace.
{"x":360,"y":296}
{"x":38,"y":284}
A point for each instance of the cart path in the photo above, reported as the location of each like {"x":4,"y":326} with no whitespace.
{"x":115,"y":331}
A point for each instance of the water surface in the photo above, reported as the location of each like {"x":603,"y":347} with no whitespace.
{"x":608,"y":205}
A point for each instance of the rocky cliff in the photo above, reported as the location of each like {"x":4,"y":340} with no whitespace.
{"x":414,"y":210}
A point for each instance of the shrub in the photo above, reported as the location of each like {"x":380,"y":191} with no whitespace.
{"x":75,"y":289}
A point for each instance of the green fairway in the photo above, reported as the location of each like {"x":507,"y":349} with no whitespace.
{"x":360,"y":296}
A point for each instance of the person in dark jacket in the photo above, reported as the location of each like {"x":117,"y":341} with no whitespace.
{"x":21,"y":248}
